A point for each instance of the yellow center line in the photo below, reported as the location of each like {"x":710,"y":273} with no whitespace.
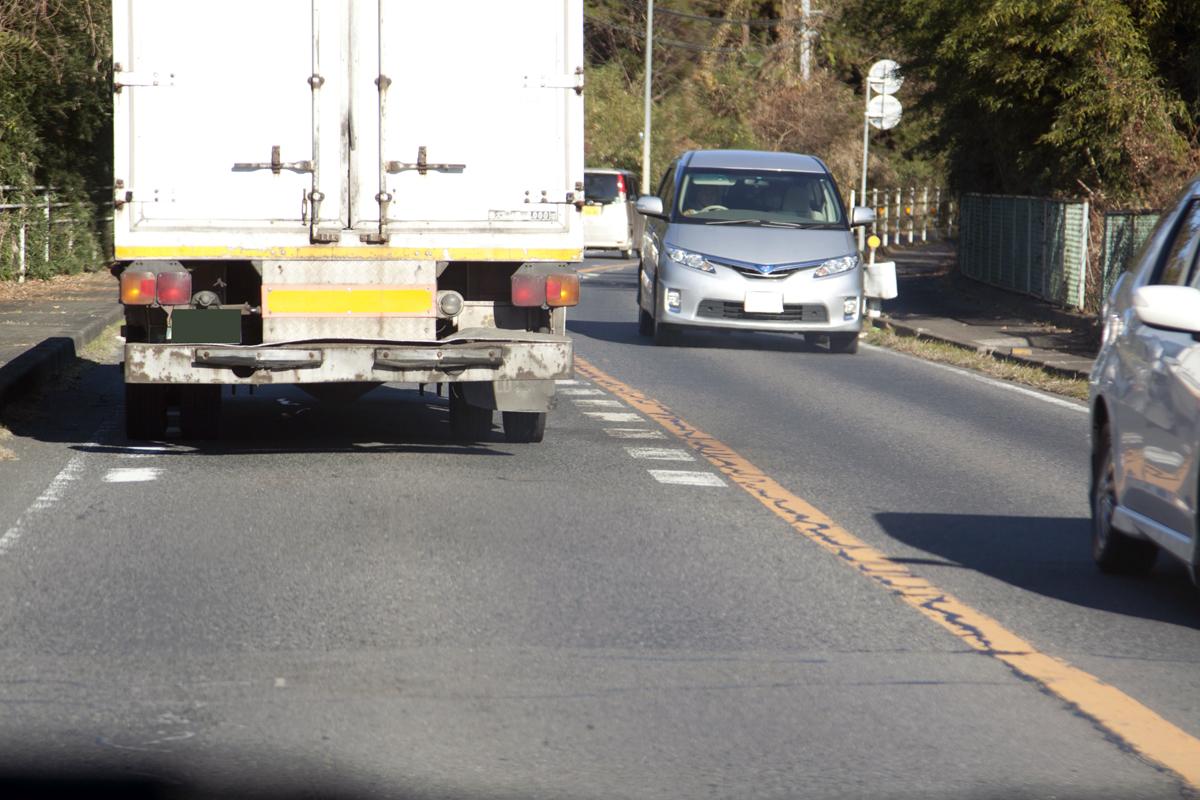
{"x":1137,"y":726}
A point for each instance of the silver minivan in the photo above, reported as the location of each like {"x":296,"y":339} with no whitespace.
{"x":750,"y":240}
{"x":609,"y":219}
{"x":1145,"y":403}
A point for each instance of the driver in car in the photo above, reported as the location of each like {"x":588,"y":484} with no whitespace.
{"x":700,"y":198}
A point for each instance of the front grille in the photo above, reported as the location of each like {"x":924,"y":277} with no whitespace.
{"x":748,"y":272}
{"x":717,"y":309}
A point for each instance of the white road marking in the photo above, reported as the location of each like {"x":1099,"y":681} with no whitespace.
{"x":634,"y":433}
{"x":579,"y":392}
{"x":999,"y":384}
{"x":584,"y":402}
{"x":566,"y":382}
{"x":614,"y":416}
{"x":132,"y":475}
{"x":678,"y":477}
{"x":660,"y":453}
{"x":281,"y":683}
{"x":47,"y":499}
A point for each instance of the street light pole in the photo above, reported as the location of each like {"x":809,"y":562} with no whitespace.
{"x":649,"y":72}
{"x":866,"y":145}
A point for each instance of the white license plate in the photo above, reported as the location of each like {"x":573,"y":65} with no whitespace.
{"x":764,"y":303}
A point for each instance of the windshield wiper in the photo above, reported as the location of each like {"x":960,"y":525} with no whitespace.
{"x":767,"y":222}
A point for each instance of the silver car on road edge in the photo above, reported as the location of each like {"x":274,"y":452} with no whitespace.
{"x":1145,"y":403}
{"x":751,"y":240}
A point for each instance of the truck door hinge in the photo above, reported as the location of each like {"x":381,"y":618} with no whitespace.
{"x":573,"y":80}
{"x":276,"y":164}
{"x":422,"y":165}
{"x":121,"y":79}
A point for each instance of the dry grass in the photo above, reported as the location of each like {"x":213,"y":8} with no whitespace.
{"x":1076,"y":388}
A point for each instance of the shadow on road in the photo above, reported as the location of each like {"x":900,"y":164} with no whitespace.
{"x":84,"y":408}
{"x":1047,"y":555}
{"x":702,"y":338}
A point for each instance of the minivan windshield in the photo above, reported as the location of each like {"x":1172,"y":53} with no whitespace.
{"x":600,"y":187}
{"x":765,"y":198}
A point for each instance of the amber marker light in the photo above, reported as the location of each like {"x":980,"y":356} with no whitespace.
{"x":562,"y":289}
{"x":138,"y":287}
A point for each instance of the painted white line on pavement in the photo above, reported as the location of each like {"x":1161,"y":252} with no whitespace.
{"x":634,"y":433}
{"x":579,"y":392}
{"x":614,"y":416}
{"x":566,"y":382}
{"x":132,"y":475}
{"x":678,"y":477}
{"x":47,"y":499}
{"x":660,"y":453}
{"x":1012,"y":387}
{"x":598,"y":403}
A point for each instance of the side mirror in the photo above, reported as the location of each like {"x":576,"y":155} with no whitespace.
{"x":861,"y":215}
{"x":650,"y":206}
{"x":1175,"y":308}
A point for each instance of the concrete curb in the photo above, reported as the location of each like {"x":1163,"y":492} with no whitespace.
{"x":1002,"y":354}
{"x":49,"y":357}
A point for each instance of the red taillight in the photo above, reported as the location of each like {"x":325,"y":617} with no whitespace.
{"x":529,"y":290}
{"x":620,"y":183}
{"x":562,"y":290}
{"x":174,"y":288}
{"x":137,"y":287}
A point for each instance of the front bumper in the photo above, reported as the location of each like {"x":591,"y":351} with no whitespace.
{"x":481,"y":354}
{"x":812,"y":305}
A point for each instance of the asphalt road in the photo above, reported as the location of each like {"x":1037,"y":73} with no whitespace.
{"x":340,"y":600}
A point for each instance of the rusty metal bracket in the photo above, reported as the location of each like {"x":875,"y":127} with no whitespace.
{"x":276,"y":164}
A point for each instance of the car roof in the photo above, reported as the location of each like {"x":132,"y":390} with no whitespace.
{"x":755,"y":159}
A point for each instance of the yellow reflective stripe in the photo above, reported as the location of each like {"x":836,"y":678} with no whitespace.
{"x":346,"y":300}
{"x":328,"y":253}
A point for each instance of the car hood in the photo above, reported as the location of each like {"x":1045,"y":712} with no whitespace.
{"x":755,"y":245}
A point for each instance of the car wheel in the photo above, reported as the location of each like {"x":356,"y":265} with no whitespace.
{"x":145,"y":411}
{"x":645,"y":320}
{"x":846,"y":343}
{"x":1113,"y":551}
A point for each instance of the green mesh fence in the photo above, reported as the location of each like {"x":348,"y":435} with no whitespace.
{"x":1124,"y":234}
{"x":1026,"y":244}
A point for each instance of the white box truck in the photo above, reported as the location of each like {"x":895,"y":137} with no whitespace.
{"x":342,"y":193}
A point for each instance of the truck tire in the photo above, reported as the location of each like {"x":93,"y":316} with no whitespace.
{"x":524,"y":427}
{"x":1113,"y":551}
{"x":145,"y":411}
{"x":846,"y":343}
{"x":468,"y":423}
{"x":200,"y":411}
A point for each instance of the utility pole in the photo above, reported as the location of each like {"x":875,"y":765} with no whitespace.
{"x":649,"y":73}
{"x":806,"y":34}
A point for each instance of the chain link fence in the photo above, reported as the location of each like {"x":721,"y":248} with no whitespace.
{"x":1031,"y":245}
{"x":1124,"y":234}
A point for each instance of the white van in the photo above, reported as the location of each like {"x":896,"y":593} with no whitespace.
{"x":610,"y":221}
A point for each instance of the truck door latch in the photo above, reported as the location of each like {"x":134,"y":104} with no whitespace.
{"x":422,"y":165}
{"x":276,"y":164}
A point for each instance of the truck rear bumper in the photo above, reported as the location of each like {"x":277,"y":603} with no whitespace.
{"x":479,"y":354}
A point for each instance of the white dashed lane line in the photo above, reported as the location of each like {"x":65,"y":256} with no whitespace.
{"x":571,"y":391}
{"x":678,"y":477}
{"x":634,"y":433}
{"x":132,"y":475}
{"x":588,"y":403}
{"x":614,"y":416}
{"x":660,"y":453}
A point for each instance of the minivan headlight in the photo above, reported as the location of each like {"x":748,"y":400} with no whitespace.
{"x":690,"y":259}
{"x":836,"y":266}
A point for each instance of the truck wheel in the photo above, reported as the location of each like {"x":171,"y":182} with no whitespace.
{"x":846,"y":343}
{"x":145,"y":411}
{"x":468,"y":423}
{"x":522,"y":427}
{"x":200,"y":411}
{"x":1113,"y":551}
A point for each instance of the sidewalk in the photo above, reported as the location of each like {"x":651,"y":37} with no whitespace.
{"x":936,"y":302}
{"x":44,"y":325}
